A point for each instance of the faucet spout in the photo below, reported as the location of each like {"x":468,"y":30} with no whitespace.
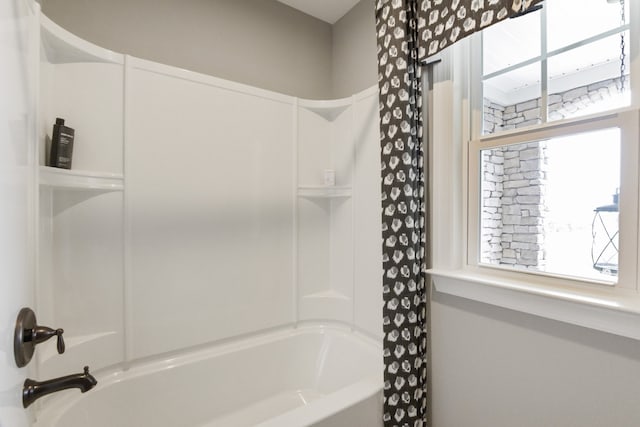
{"x":34,"y":390}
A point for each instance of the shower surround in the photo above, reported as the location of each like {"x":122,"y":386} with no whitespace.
{"x":197,"y":232}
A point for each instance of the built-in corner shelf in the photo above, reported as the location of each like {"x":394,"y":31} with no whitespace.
{"x":56,"y":178}
{"x":61,"y":46}
{"x":324,"y":192}
{"x":330,"y":110}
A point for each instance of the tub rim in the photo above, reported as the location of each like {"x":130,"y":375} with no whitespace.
{"x":56,"y":406}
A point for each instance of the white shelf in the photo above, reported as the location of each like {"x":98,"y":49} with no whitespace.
{"x":330,"y":109}
{"x":328,"y":294}
{"x":80,"y":180}
{"x":324,"y":192}
{"x":63,"y":47}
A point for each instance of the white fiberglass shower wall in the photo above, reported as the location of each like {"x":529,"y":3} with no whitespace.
{"x":231,"y":228}
{"x":210,"y":214}
{"x":196,"y":214}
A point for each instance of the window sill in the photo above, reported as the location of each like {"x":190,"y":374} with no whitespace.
{"x":612,"y":310}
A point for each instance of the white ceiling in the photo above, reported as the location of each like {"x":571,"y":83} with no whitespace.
{"x":327,"y":10}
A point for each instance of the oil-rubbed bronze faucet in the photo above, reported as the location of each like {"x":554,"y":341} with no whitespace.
{"x":28,"y":333}
{"x":34,"y":390}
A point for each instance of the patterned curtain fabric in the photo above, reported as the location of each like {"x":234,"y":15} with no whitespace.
{"x":403,"y":213}
{"x":409,"y":31}
{"x":442,"y":23}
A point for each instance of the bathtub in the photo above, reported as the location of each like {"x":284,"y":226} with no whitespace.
{"x":321,"y":376}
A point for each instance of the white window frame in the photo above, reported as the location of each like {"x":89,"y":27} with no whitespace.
{"x":541,"y":59}
{"x":627,"y":121}
{"x":454,"y":115}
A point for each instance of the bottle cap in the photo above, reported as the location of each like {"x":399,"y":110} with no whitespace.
{"x":329,"y":177}
{"x":59,"y":121}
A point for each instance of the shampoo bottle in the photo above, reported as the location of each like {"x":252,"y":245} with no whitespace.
{"x":61,"y":145}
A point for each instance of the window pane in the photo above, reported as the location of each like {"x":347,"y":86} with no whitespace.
{"x":503,"y":43}
{"x":570,"y":21}
{"x":512,"y":99}
{"x":586,"y":80}
{"x":549,"y":205}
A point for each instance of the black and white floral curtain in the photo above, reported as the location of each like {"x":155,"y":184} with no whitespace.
{"x":443,"y":22}
{"x":408,"y":32}
{"x":403,"y":213}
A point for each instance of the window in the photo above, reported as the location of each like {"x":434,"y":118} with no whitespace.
{"x":548,"y":199}
{"x":543,"y":67}
{"x":553,"y":157}
{"x":579,"y":172}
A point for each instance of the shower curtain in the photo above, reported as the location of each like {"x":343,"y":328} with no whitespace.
{"x":408,"y":32}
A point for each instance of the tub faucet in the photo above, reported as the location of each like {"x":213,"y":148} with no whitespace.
{"x":34,"y":390}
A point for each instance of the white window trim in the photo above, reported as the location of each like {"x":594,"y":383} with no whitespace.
{"x":627,"y":121}
{"x":613,"y":310}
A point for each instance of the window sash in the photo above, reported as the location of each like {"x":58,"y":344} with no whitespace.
{"x":542,"y":59}
{"x":546,"y":55}
{"x":628,"y":121}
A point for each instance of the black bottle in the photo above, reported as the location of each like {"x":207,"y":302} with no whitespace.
{"x":61,"y":145}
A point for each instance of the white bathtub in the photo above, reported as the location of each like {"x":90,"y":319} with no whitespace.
{"x":311,"y":376}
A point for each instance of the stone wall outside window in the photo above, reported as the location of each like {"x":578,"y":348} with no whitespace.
{"x":514,"y":178}
{"x":561,"y":105}
{"x":513,"y":205}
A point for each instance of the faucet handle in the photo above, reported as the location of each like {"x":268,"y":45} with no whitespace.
{"x":43,"y":333}
{"x":28,"y":334}
{"x":60,"y":343}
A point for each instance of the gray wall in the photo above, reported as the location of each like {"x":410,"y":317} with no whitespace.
{"x":258,"y":42}
{"x":493,"y":367}
{"x":354,"y":64}
{"x":275,"y":47}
